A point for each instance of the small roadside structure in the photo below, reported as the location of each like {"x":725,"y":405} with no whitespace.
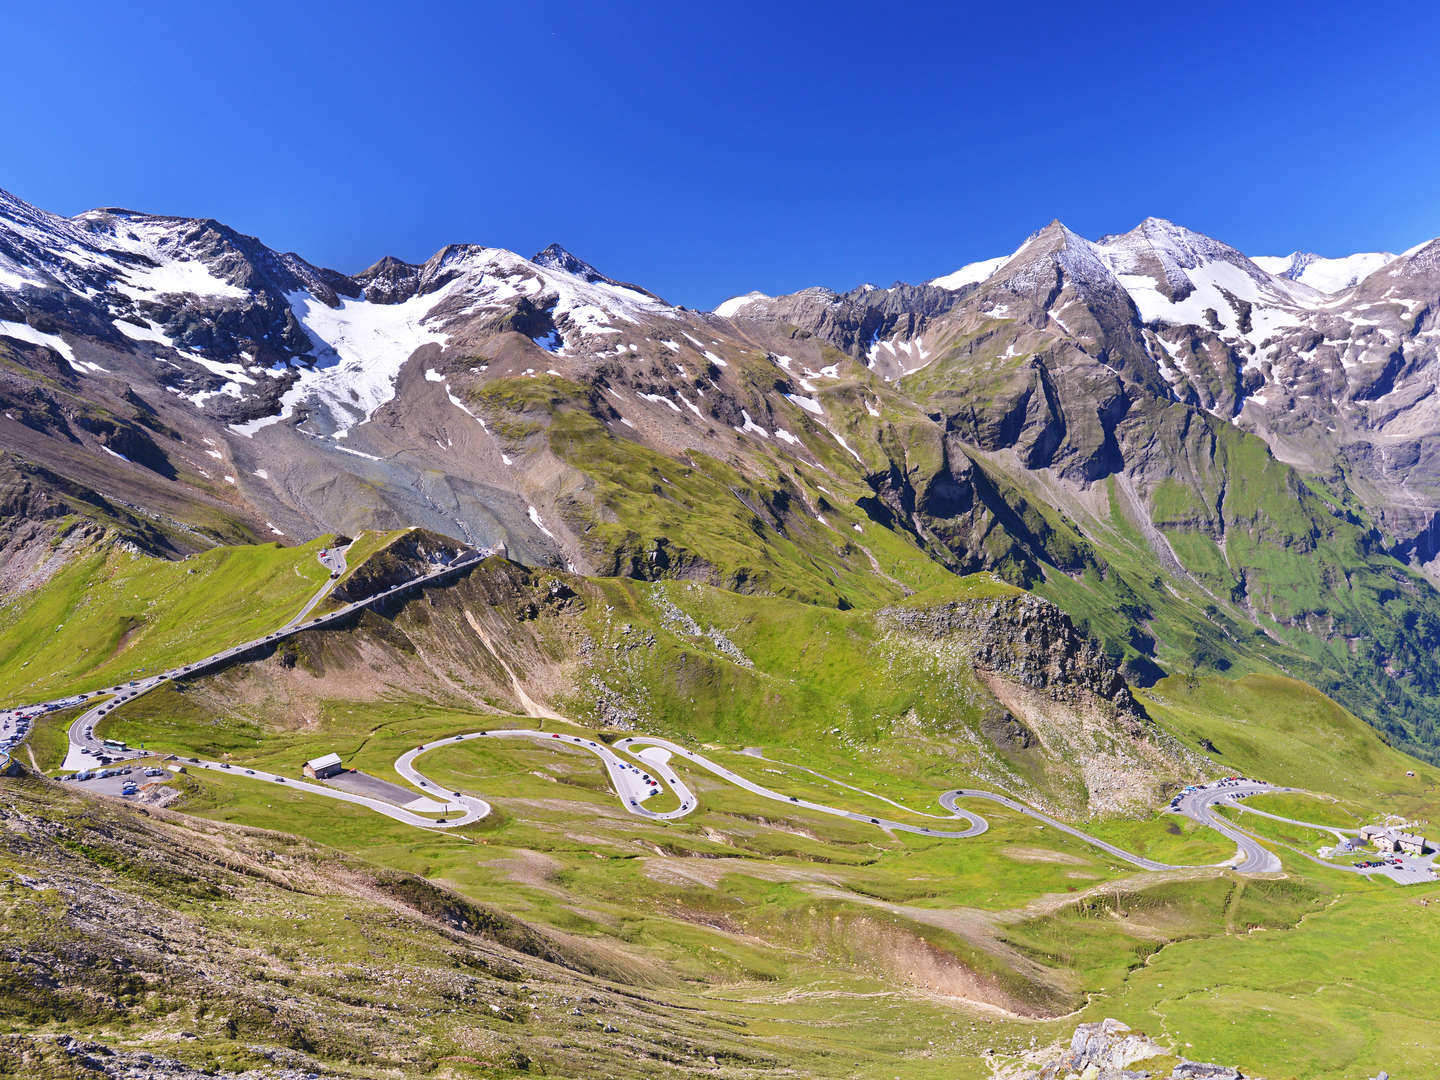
{"x":322,"y":768}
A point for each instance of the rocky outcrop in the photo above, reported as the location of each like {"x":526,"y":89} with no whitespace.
{"x":1106,"y":1050}
{"x":1101,"y":1051}
{"x":855,"y":320}
{"x":413,"y":555}
{"x":1029,"y":641}
{"x":1065,"y":730}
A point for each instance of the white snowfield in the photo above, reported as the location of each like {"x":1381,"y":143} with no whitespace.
{"x":26,"y":332}
{"x":971,"y":273}
{"x":1326,"y":275}
{"x":736,"y":304}
{"x":359,"y":349}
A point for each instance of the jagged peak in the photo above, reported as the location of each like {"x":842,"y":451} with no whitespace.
{"x":1059,"y":246}
{"x":1422,"y":259}
{"x":555,"y":257}
{"x":388,"y":265}
{"x":1173,"y":244}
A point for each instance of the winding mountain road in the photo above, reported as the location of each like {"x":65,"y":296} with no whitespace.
{"x":471,"y":809}
{"x":633,"y":781}
{"x":975,"y":824}
{"x":1199,"y":805}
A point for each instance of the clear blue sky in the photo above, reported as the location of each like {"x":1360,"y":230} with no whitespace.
{"x":705,"y":150}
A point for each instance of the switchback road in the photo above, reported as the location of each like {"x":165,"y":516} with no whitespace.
{"x":633,"y":783}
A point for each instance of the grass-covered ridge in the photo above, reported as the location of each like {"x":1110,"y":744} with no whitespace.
{"x":113,"y":613}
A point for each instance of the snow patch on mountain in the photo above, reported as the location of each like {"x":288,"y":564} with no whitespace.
{"x":971,"y":273}
{"x":729,"y":308}
{"x":170,"y":277}
{"x":27,"y":333}
{"x":1322,"y":274}
{"x":539,"y":523}
{"x":148,"y":332}
{"x":12,"y":276}
{"x":359,"y":350}
{"x":1210,"y":284}
{"x":809,"y":404}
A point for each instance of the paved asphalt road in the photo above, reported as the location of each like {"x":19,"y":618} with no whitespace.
{"x":1198,"y":805}
{"x":333,"y":559}
{"x":947,"y":800}
{"x":976,"y":824}
{"x":473,"y":809}
{"x":632,"y":783}
{"x":1412,"y":869}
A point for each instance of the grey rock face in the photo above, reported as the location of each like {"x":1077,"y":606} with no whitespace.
{"x":1032,"y":642}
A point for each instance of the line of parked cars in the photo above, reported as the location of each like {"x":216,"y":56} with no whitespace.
{"x":1224,"y":781}
{"x":102,"y":774}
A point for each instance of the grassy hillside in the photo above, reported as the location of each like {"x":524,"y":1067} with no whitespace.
{"x":114,"y":614}
{"x":788,"y":910}
{"x":851,"y":689}
{"x":1278,"y":729}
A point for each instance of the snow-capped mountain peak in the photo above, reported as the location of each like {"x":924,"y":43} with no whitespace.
{"x":556,"y":257}
{"x":735,"y":304}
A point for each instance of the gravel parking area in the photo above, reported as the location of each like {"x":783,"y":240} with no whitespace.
{"x":112,"y":785}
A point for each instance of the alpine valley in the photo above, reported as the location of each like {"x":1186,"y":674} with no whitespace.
{"x":1067,"y":535}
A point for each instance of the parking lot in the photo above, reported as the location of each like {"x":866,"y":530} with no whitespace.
{"x":372,"y":787}
{"x":1413,"y":869}
{"x":121,"y":776}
